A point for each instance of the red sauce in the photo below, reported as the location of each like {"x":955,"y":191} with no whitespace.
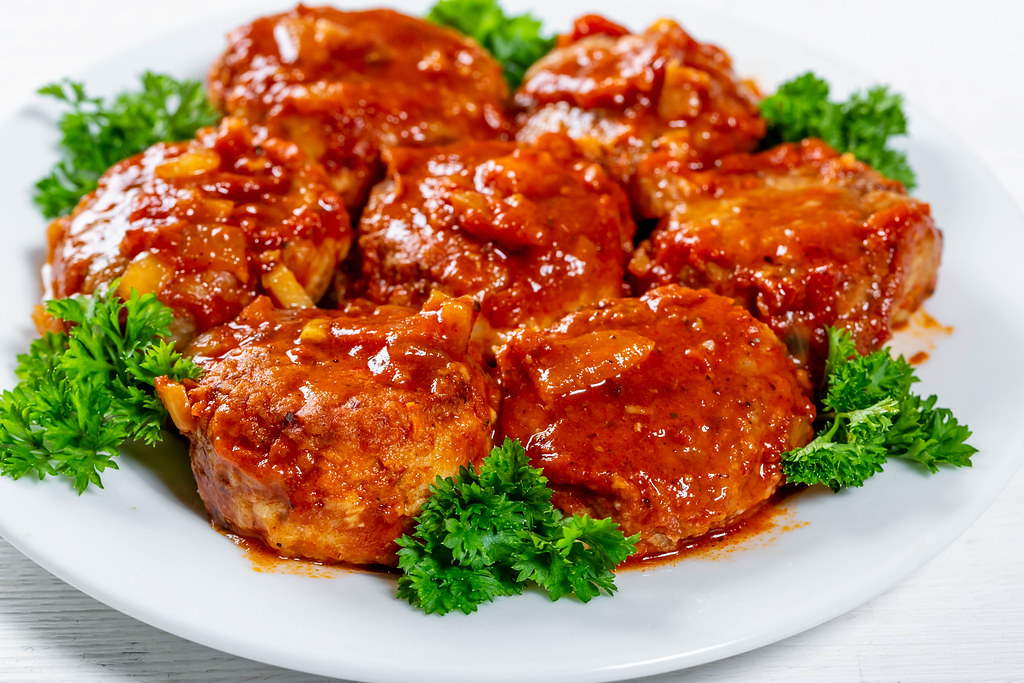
{"x":623,"y":95}
{"x":917,"y":337}
{"x":201,"y":224}
{"x":530,"y":232}
{"x":343,"y":84}
{"x":926,"y":321}
{"x":801,"y":236}
{"x":666,"y":413}
{"x":762,"y":527}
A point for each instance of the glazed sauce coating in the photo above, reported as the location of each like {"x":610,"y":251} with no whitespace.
{"x":623,"y":95}
{"x":342,"y":84}
{"x":799,"y":235}
{"x":201,"y":224}
{"x":530,"y":232}
{"x":667,"y":413}
{"x":319,"y":432}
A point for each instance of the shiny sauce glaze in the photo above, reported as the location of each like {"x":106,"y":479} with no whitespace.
{"x":623,"y":95}
{"x":666,"y":413}
{"x":531,"y":233}
{"x":319,"y":432}
{"x":206,"y":225}
{"x":801,"y":236}
{"x":343,"y":84}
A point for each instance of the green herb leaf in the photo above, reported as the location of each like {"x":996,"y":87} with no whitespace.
{"x":96,"y":134}
{"x":862,"y":125}
{"x":84,"y":393}
{"x":516,"y":42}
{"x":487,"y":534}
{"x":869,"y":415}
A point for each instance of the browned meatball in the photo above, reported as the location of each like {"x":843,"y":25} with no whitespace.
{"x":342,"y":84}
{"x":206,"y":225}
{"x":622,"y":95}
{"x":530,"y":232}
{"x":801,"y":236}
{"x":666,"y":413}
{"x":319,"y":432}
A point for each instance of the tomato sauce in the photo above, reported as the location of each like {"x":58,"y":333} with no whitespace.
{"x":760,"y":528}
{"x":344,"y":84}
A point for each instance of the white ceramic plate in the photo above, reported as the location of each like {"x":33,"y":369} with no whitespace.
{"x":143,"y":545}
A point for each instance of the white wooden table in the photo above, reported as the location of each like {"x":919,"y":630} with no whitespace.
{"x":960,"y":618}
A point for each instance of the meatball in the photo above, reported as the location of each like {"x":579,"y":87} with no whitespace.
{"x":667,"y":413}
{"x":801,"y":236}
{"x":319,"y":432}
{"x":342,"y":84}
{"x":623,"y":95}
{"x":530,"y":232}
{"x":206,"y":225}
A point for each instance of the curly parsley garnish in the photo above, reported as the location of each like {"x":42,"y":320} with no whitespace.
{"x":484,"y":535}
{"x":869,"y":415}
{"x":83,"y":393}
{"x":516,"y":42}
{"x":95,"y":134}
{"x":862,"y":125}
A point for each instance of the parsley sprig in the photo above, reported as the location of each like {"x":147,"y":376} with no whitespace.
{"x":869,"y":415}
{"x":862,"y":125}
{"x":488,"y":534}
{"x":83,"y":393}
{"x":516,"y":41}
{"x":96,"y":134}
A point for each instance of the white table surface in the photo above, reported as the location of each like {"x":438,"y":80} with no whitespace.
{"x":960,"y":618}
